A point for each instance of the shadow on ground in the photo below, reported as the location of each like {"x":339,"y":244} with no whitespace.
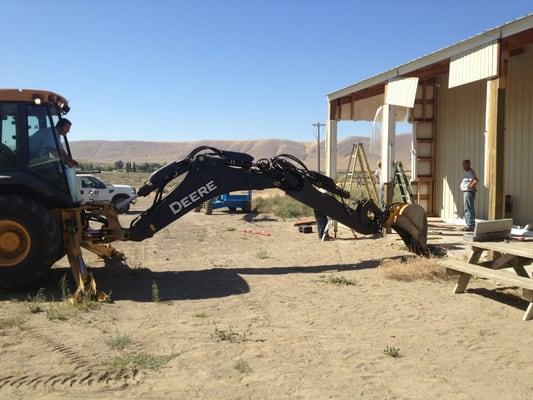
{"x":499,"y":295}
{"x":126,"y":283}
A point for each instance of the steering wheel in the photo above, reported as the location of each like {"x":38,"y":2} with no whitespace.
{"x":8,"y":157}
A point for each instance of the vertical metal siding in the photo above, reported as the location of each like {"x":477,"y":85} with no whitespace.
{"x":519,"y":135}
{"x":401,"y":92}
{"x":474,"y":65}
{"x":460,"y":127}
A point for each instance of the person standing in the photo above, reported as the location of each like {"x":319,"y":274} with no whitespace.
{"x":377,"y":179}
{"x":322,"y":221}
{"x":469,"y":189}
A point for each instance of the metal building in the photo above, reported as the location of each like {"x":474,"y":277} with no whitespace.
{"x":471,"y":100}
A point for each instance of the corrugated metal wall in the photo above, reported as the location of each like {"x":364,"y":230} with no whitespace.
{"x":519,"y":135}
{"x":460,"y":135}
{"x":476,"y":64}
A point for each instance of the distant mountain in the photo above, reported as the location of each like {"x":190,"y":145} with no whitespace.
{"x":110,"y":151}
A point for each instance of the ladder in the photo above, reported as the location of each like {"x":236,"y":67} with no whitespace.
{"x":402,"y":181}
{"x":358,"y":156}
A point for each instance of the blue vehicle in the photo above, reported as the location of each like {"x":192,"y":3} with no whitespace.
{"x":231,"y":201}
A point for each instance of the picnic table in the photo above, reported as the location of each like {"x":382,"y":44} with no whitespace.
{"x":506,"y":254}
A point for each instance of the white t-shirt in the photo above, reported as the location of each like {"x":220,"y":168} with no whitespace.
{"x":377,"y":174}
{"x":470,"y":175}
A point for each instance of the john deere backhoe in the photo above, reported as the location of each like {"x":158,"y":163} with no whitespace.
{"x":41,"y":218}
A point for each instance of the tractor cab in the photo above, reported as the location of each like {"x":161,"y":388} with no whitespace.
{"x":32,"y":154}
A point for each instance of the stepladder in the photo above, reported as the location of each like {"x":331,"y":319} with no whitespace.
{"x":401,"y":179}
{"x":359,"y":174}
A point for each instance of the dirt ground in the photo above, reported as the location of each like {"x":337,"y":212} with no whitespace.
{"x":251,"y":309}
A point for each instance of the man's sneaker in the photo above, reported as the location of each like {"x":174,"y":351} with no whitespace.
{"x":468,"y":229}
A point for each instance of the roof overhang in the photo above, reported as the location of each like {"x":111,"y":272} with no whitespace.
{"x":511,"y":34}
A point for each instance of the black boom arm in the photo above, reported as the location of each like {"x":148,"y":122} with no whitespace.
{"x":209,"y":172}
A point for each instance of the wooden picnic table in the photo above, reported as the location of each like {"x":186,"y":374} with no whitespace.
{"x":506,"y":254}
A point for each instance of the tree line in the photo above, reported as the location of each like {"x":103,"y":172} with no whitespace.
{"x":119,"y":165}
{"x":129,"y":166}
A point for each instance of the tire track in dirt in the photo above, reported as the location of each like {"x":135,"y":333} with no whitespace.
{"x":84,"y":373}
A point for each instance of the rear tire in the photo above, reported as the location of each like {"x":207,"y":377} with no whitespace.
{"x":30,"y":241}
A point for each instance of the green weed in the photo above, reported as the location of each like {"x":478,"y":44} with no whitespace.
{"x":119,"y":342}
{"x":223,"y":335}
{"x":242,"y":366}
{"x":262,"y":254}
{"x":339,"y":281}
{"x":391,"y":351}
{"x":120,"y":364}
{"x":12,"y":322}
{"x":57,"y":312}
{"x":63,"y":286}
{"x":35,"y":303}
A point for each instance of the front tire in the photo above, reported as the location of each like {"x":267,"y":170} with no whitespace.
{"x":30,"y":241}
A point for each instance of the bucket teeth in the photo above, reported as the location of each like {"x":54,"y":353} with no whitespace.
{"x":410,"y":222}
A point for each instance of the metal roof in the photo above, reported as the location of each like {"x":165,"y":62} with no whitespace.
{"x":499,"y":32}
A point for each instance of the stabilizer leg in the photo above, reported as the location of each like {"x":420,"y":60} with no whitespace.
{"x":72,"y":233}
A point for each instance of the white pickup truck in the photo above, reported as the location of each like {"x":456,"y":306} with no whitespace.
{"x":95,"y":189}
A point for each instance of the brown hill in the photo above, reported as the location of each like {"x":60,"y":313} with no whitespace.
{"x":110,"y":151}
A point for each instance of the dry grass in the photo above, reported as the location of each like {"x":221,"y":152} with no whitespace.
{"x":338,"y":280}
{"x":118,"y":365}
{"x":281,"y":206}
{"x":413,"y":269}
{"x":135,"y":179}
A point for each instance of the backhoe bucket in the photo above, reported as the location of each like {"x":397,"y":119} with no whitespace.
{"x":410,"y":222}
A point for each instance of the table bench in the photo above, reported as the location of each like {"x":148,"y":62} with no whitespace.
{"x":513,"y":255}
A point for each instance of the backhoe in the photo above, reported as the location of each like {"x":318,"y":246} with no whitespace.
{"x":42,"y":218}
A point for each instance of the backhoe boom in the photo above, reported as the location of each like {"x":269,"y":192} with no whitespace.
{"x":210,"y":172}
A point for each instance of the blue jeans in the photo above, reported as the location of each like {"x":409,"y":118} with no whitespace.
{"x":321,"y":222}
{"x":470,"y":215}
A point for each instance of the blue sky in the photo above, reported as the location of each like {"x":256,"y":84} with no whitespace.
{"x":227,"y":70}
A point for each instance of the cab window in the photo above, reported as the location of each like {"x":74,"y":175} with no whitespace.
{"x":86,"y":183}
{"x":89,"y":182}
{"x":44,"y":154}
{"x":9,"y":141}
{"x":41,"y":136}
{"x":98,"y":183}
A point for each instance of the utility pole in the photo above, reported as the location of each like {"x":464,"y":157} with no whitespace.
{"x":317,"y":125}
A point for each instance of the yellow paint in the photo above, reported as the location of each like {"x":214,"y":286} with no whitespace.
{"x":15,"y":243}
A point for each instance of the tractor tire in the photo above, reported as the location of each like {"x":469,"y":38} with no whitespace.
{"x":247,"y":207}
{"x":30,"y":241}
{"x":117,"y":199}
{"x":208,"y":207}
